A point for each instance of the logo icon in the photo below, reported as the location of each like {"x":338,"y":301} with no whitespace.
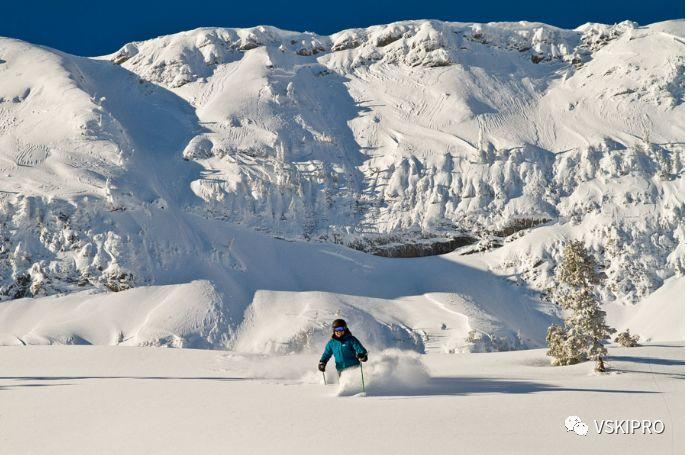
{"x":574,"y":423}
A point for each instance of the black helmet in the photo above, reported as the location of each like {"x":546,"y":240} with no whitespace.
{"x":339,"y":323}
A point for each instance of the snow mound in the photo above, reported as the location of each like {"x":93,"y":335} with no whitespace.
{"x":390,"y":372}
{"x":183,"y":315}
{"x":295,"y":322}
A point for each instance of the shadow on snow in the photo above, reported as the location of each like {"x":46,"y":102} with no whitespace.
{"x":479,"y":385}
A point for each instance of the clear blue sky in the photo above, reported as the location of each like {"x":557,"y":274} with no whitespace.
{"x":96,"y":27}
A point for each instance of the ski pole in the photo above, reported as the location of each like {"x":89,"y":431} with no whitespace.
{"x":325,"y":378}
{"x":362,"y":377}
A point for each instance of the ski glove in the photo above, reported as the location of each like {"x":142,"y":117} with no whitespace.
{"x":321,"y":366}
{"x":362,"y":357}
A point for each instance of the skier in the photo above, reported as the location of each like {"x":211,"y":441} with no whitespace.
{"x":347,"y":350}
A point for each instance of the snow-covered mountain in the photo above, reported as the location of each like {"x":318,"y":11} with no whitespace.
{"x":154,"y":166}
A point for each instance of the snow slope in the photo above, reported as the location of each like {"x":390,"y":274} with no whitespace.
{"x":658,"y":317}
{"x":95,"y":399}
{"x":260,"y":302}
{"x":154,"y":166}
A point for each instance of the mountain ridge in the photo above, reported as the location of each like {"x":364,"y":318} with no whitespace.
{"x":384,"y":139}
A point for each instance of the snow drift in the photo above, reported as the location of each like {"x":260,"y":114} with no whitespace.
{"x":175,"y":315}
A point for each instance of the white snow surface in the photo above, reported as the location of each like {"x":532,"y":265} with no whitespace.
{"x":113,"y":400}
{"x":660,"y":316}
{"x":215,"y":171}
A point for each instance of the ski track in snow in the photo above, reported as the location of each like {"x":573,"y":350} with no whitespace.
{"x":176,"y":401}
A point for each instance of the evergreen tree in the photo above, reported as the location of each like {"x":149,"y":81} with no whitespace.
{"x":584,"y":327}
{"x":627,"y":340}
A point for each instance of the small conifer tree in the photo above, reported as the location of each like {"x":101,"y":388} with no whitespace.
{"x":627,"y":340}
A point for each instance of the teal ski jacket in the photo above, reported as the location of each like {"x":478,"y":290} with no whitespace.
{"x":344,"y":350}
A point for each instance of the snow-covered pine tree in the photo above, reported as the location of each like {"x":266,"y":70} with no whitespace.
{"x":627,"y":340}
{"x":584,"y":327}
{"x":555,"y":340}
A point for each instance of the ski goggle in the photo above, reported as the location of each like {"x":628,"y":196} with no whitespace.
{"x":339,"y":329}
